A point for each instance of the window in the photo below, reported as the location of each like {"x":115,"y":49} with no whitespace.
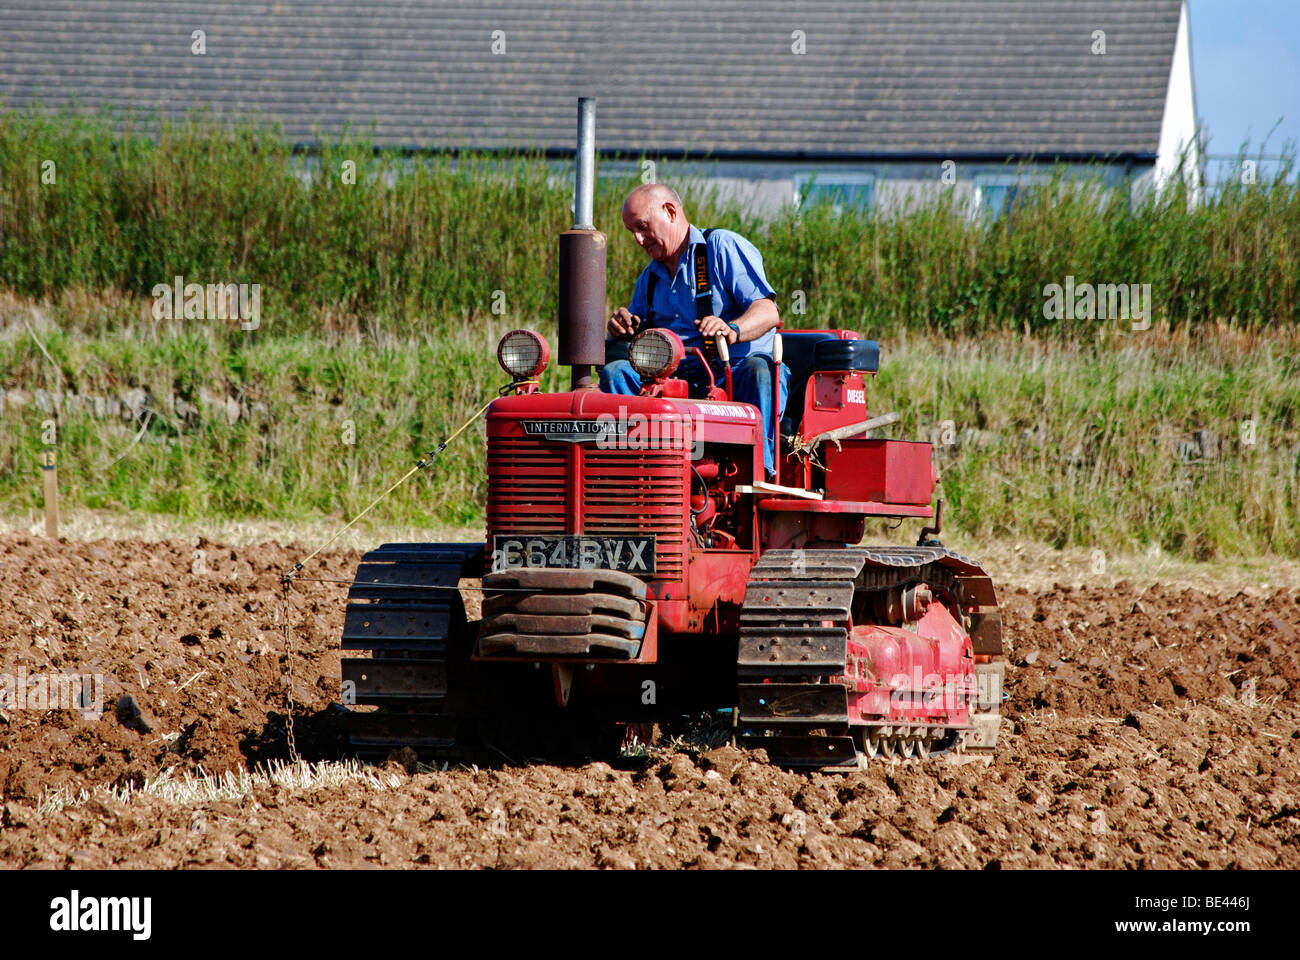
{"x":997,"y":194}
{"x":842,"y":190}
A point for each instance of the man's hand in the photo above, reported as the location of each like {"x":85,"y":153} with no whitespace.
{"x":717,"y":327}
{"x":623,"y":323}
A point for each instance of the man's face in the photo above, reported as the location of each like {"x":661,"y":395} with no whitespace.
{"x":652,"y":224}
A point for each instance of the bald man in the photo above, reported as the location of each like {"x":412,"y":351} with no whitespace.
{"x":740,"y":305}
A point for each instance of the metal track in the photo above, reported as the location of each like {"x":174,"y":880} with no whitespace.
{"x":794,"y":630}
{"x":405,"y":611}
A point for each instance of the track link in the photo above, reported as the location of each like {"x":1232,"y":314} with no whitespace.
{"x":793,"y":651}
{"x":405,"y":611}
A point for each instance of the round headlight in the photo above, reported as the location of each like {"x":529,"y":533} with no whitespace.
{"x":655,"y":353}
{"x":523,"y":354}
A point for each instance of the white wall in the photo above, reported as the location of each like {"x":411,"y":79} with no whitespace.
{"x":767,"y":188}
{"x":1178,"y":128}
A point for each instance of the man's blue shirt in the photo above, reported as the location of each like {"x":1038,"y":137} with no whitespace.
{"x":736,"y":278}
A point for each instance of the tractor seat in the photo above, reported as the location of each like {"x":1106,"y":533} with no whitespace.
{"x":807,"y":351}
{"x":797,"y":354}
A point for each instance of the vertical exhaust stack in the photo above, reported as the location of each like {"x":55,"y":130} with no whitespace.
{"x":582,"y":264}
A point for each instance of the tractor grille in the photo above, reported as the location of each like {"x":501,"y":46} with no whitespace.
{"x":526,"y":487}
{"x":625,"y":492}
{"x":634,"y":492}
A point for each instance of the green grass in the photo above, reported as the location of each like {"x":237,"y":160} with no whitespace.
{"x":322,"y":425}
{"x":1072,"y":444}
{"x":417,"y":244}
{"x":1096,"y":445}
{"x":378,"y":324}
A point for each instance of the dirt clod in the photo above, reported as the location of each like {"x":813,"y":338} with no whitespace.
{"x":1163,"y":733}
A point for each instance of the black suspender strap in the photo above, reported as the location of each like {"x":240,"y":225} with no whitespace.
{"x":703,"y":289}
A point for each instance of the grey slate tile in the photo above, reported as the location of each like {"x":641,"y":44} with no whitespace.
{"x":880,"y":76}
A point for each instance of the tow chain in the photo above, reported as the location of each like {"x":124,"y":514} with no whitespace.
{"x":289,"y":576}
{"x":288,"y":673}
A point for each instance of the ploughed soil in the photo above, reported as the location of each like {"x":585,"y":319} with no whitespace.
{"x":1153,"y":727}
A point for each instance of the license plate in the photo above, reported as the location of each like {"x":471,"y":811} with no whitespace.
{"x":629,"y":554}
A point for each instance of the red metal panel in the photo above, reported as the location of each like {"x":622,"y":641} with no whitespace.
{"x":527,"y":492}
{"x":838,"y":399}
{"x":918,"y":677}
{"x":710,"y":421}
{"x":719,"y":576}
{"x":631,"y":485}
{"x":859,"y":507}
{"x":575,"y":522}
{"x":884,"y":471}
{"x":638,"y":493}
{"x":842,"y":334}
{"x":833,"y":400}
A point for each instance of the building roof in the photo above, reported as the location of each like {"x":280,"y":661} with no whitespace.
{"x":912,"y":78}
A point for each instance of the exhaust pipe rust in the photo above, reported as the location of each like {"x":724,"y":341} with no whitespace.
{"x":582,"y":265}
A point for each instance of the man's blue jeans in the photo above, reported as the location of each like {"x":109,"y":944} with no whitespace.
{"x":751,"y":382}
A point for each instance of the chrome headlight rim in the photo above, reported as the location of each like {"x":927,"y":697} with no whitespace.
{"x":656,"y":353}
{"x":523,"y":354}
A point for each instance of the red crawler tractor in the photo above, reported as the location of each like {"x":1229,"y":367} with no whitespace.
{"x":638,"y":569}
